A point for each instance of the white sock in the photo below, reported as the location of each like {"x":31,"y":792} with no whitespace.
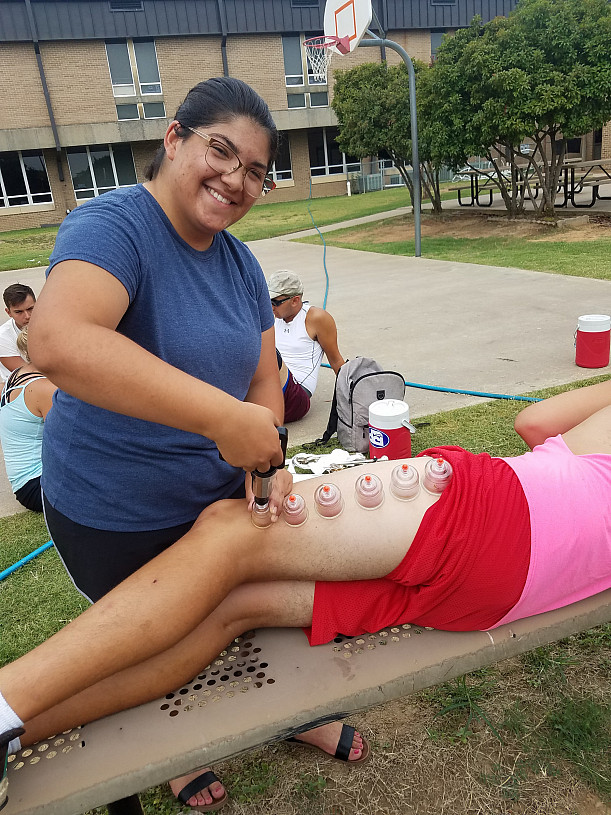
{"x":9,"y":720}
{"x":14,"y":746}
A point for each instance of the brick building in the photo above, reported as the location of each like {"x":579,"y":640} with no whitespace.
{"x":88,"y":87}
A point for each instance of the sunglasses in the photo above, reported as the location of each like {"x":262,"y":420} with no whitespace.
{"x":277,"y":301}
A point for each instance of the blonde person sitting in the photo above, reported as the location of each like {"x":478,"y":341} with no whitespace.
{"x":26,"y":399}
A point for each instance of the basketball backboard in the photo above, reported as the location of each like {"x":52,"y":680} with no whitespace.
{"x":347,"y":18}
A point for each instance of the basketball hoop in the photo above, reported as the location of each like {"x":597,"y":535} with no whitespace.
{"x":319,"y":51}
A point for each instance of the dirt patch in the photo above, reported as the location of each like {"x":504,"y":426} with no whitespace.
{"x":484,"y":225}
{"x":427,"y":764}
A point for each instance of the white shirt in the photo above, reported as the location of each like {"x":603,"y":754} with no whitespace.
{"x":8,"y":344}
{"x":301,"y":354}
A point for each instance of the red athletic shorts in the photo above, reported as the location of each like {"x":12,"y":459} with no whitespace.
{"x":464,"y":571}
{"x":296,"y":400}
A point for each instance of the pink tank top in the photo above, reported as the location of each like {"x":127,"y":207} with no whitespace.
{"x":569,"y":500}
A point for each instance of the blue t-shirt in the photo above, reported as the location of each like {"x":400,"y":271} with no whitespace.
{"x":202,"y":312}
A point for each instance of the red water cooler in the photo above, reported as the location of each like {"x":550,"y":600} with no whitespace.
{"x":389,"y":429}
{"x":592,"y":340}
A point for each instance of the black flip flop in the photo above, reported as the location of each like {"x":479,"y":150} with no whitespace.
{"x":344,"y":745}
{"x":197,"y":785}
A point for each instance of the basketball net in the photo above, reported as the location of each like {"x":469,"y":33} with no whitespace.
{"x":319,"y":52}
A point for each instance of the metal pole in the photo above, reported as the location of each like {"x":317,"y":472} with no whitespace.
{"x":379,"y":43}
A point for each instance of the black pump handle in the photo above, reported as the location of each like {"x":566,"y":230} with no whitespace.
{"x":283,"y":433}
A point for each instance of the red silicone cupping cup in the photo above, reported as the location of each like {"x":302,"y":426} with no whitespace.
{"x":261,"y":516}
{"x":328,"y":501}
{"x":368,"y":491}
{"x":405,"y":482}
{"x":437,"y":475}
{"x":294,"y":510}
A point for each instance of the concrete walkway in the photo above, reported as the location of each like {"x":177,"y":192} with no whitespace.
{"x":451,"y":325}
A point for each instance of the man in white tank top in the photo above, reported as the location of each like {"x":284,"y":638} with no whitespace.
{"x":303,"y":332}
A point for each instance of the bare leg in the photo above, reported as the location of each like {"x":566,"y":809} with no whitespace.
{"x":560,"y":413}
{"x":256,"y":605}
{"x":593,"y":435}
{"x":146,"y":615}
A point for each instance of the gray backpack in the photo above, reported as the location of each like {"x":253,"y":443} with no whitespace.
{"x":360,"y":382}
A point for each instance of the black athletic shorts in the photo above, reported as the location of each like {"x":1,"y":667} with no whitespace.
{"x":97,"y":560}
{"x":30,"y":496}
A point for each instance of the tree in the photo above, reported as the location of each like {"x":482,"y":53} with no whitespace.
{"x":542,"y":74}
{"x":371,"y":102}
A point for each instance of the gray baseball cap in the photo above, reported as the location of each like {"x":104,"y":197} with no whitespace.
{"x":284,"y":284}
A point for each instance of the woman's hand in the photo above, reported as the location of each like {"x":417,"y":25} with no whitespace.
{"x":282,"y":486}
{"x":248,"y":437}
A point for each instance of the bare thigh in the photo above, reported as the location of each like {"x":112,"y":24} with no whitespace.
{"x":359,"y":544}
{"x":561,"y":413}
{"x":591,"y":436}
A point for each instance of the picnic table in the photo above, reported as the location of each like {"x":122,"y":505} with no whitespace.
{"x":575,"y":177}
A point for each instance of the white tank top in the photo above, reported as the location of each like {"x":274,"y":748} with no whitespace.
{"x":301,"y":354}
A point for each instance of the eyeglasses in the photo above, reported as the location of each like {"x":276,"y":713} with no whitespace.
{"x":277,"y":301}
{"x":224,"y":160}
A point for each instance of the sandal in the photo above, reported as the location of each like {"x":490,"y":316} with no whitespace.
{"x":5,"y":739}
{"x":344,"y":745}
{"x":198,"y":784}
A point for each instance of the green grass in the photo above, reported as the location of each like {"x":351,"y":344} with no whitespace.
{"x":31,"y":247}
{"x":571,"y":731}
{"x":579,"y":730}
{"x":24,"y":248}
{"x":270,"y":220}
{"x":579,"y":258}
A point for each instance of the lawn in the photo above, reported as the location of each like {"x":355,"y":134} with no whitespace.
{"x":26,"y":248}
{"x":529,"y":735}
{"x":587,"y":258}
{"x":31,"y":247}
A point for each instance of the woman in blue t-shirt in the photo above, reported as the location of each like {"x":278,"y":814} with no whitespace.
{"x":156,"y":325}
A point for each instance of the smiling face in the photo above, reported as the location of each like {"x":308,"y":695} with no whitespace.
{"x":197,"y":199}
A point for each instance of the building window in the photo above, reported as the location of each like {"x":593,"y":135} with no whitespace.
{"x":120,"y":69}
{"x":296,"y":100}
{"x":436,"y":37}
{"x":126,"y":5}
{"x":312,"y":80}
{"x":325,"y":156}
{"x":23,"y":179}
{"x":145,"y":54}
{"x":282,"y":169}
{"x":126,"y":112}
{"x":100,"y":168}
{"x":319,"y":99}
{"x":293,"y":66}
{"x":154,"y":110}
{"x":133,"y":66}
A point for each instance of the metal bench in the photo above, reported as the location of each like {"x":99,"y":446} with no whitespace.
{"x":266,"y":686}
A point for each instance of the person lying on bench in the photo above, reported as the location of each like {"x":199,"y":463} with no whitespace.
{"x":507,"y":538}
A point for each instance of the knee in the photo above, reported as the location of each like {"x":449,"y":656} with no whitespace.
{"x":221,"y":512}
{"x":528,"y":426}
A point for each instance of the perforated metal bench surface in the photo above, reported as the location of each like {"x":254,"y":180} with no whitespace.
{"x":266,"y":686}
